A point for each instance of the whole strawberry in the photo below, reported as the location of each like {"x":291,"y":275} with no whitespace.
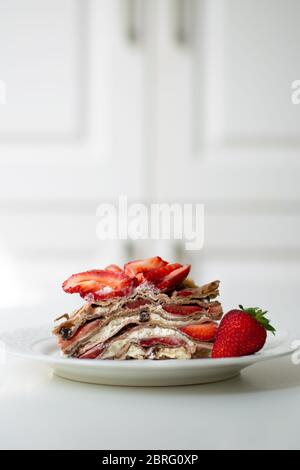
{"x":242,"y":333}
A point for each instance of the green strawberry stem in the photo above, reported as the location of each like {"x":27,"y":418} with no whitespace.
{"x":259,"y":316}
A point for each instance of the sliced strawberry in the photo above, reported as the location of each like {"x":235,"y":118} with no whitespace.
{"x":93,"y":353}
{"x":143,"y":266}
{"x":165,"y":341}
{"x":99,"y":285}
{"x":176,"y":309}
{"x":114,"y":268}
{"x":173,"y":280}
{"x":139,"y":279}
{"x":136,"y":303}
{"x":203,"y":332}
{"x":82,"y":330}
{"x":185,"y":293}
{"x":156,"y":275}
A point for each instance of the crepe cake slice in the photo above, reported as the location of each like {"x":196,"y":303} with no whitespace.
{"x":147,"y":310}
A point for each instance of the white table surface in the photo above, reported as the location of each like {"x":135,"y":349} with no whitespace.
{"x":260,"y":409}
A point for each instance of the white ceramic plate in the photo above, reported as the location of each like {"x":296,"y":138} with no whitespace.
{"x":38,"y":344}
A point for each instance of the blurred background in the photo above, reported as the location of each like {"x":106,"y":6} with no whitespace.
{"x":159,"y":100}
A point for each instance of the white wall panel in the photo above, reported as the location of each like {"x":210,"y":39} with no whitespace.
{"x":260,"y":61}
{"x":67,"y":130}
{"x":40,"y":63}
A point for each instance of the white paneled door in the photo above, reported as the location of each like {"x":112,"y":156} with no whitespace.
{"x":224,"y":113}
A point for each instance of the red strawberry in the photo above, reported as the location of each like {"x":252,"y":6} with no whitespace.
{"x":99,"y":285}
{"x":143,"y":266}
{"x":114,"y":268}
{"x":176,"y":309}
{"x":139,"y":279}
{"x":82,"y":330}
{"x":242,"y":333}
{"x":173,"y":280}
{"x":94,"y":352}
{"x":202,"y":332}
{"x":133,"y":304}
{"x":185,"y":292}
{"x":156,"y":275}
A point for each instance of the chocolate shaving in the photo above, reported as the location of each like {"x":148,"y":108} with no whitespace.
{"x":65,"y":315}
{"x":144,"y":316}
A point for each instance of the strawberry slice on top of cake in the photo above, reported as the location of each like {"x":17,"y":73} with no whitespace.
{"x":149,"y":309}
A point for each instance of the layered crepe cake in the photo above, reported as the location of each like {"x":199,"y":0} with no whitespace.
{"x":150,"y":309}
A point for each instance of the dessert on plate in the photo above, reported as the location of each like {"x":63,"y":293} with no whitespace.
{"x":150,"y":309}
